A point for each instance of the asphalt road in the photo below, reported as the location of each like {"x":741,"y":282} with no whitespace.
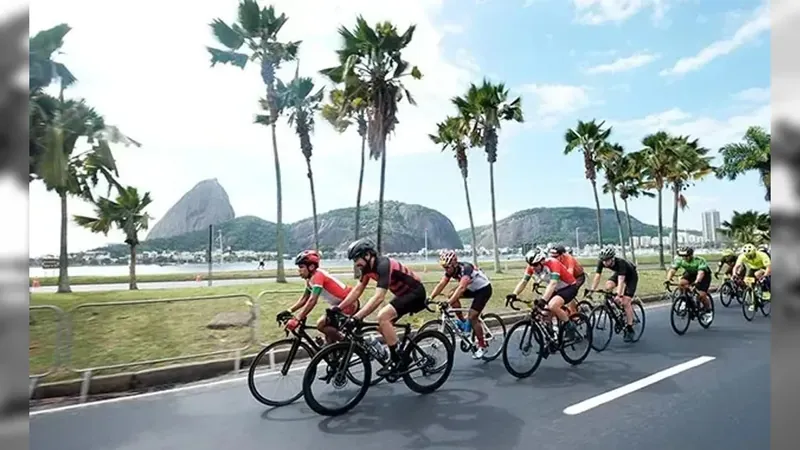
{"x":719,"y":403}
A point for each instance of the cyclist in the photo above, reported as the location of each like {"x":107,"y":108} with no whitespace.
{"x":758,"y":265}
{"x":574,"y":268}
{"x":318,"y":283}
{"x":472,"y":283}
{"x":728,"y":260}
{"x":561,"y":288}
{"x":392,"y":276}
{"x":764,"y":248}
{"x":695,"y":271}
{"x":624,"y":279}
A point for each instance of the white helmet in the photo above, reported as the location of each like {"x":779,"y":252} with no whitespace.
{"x":535,"y":256}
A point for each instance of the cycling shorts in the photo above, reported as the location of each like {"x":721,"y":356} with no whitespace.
{"x":630,"y":284}
{"x":479,"y":298}
{"x":703,"y":285}
{"x":568,"y":293}
{"x":411,"y":302}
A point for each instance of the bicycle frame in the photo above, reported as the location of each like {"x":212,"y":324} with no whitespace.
{"x":616,"y":311}
{"x":299,"y":334}
{"x":539,"y":317}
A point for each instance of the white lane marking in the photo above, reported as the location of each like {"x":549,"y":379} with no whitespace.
{"x":596,"y":401}
{"x":192,"y":387}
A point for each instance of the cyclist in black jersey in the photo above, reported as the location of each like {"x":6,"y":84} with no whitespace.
{"x":764,"y":248}
{"x":728,"y":261}
{"x":472,"y":283}
{"x":624,"y":279}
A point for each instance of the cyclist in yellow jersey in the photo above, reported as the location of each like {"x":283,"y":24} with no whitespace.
{"x":758,"y":265}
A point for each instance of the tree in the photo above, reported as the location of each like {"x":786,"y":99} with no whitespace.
{"x":257,"y":30}
{"x":301,"y":104}
{"x":371,"y":67}
{"x":588,"y":137}
{"x":631,"y":185}
{"x":453,"y":134}
{"x":753,"y":153}
{"x":749,"y":227}
{"x":484,"y":108}
{"x":657,"y":159}
{"x":127,"y":214}
{"x":609,"y":157}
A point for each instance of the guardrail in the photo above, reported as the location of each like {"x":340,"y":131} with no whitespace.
{"x":57,"y":344}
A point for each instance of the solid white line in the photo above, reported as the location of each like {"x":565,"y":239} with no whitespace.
{"x":594,"y":402}
{"x":191,"y":387}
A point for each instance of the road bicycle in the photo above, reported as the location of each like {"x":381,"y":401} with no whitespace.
{"x":730,"y":289}
{"x":339,"y":359}
{"x":585,"y":306}
{"x":539,"y":326}
{"x":753,"y":299}
{"x":449,"y":324}
{"x":610,"y":315}
{"x":285,"y":352}
{"x":686,"y":304}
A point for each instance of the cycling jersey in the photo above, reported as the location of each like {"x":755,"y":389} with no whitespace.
{"x":571,"y":263}
{"x":695,"y":265}
{"x":327,"y":287}
{"x":759,"y":261}
{"x":551,"y":270}
{"x":728,"y":259}
{"x":619,"y":267}
{"x":477,"y":279}
{"x":390,"y":274}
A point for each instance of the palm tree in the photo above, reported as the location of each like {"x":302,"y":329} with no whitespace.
{"x":302,"y":104}
{"x":257,"y":29}
{"x":589,"y":137}
{"x":631,"y":185}
{"x":753,"y":153}
{"x":609,"y":157}
{"x":371,"y":67}
{"x":657,"y":160}
{"x":749,"y":227}
{"x":125,"y":213}
{"x":453,"y":134}
{"x":484,"y":108}
{"x":356,"y":110}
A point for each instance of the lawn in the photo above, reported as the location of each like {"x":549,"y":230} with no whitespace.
{"x":108,"y":335}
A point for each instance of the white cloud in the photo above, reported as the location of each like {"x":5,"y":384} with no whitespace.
{"x":196,"y":121}
{"x":453,"y":28}
{"x":753,"y":95}
{"x":624,"y":64}
{"x":596,"y":12}
{"x":553,"y":102}
{"x":747,"y":32}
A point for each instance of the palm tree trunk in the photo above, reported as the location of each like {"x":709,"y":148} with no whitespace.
{"x":313,"y":204}
{"x":360,"y":185}
{"x":280,"y":277}
{"x":599,"y":221}
{"x":63,"y":257}
{"x":676,"y":192}
{"x":494,"y":221}
{"x":660,"y":232}
{"x":619,"y":224}
{"x":471,"y":225}
{"x":132,"y":270}
{"x":630,"y":230}
{"x":380,"y":201}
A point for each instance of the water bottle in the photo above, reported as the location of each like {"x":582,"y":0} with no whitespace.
{"x":377,"y":348}
{"x":465,"y":325}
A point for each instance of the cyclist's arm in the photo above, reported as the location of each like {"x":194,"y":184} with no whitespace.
{"x":676,"y":264}
{"x":462,"y":286}
{"x":522,"y":283}
{"x":300,"y":301}
{"x":312,"y":295}
{"x":382,"y":286}
{"x":701,"y":271}
{"x":354,"y":294}
{"x":439,"y":287}
{"x":768,"y":268}
{"x":597,"y":271}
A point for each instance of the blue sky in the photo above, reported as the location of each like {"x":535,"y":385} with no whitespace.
{"x":687,"y":66}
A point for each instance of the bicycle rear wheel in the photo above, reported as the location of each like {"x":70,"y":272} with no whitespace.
{"x":443,"y":327}
{"x":582,"y":343}
{"x":639,"y":319}
{"x":530,"y":340}
{"x":278,"y":356}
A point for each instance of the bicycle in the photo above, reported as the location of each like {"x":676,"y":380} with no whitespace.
{"x":687,"y":304}
{"x":300,"y":341}
{"x":448,"y":324}
{"x":539,"y":326}
{"x":355,"y":344}
{"x":616,"y":313}
{"x":753,"y":299}
{"x":584,"y":306}
{"x":730,"y":289}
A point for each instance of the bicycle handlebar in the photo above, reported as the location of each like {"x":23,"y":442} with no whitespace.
{"x":538,"y":303}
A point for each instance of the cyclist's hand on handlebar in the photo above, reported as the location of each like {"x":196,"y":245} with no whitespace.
{"x":443,"y":304}
{"x":292,"y":324}
{"x":351,"y":323}
{"x":284,"y":316}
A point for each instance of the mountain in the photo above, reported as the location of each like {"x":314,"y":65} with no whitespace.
{"x":542,"y":225}
{"x":205,"y":204}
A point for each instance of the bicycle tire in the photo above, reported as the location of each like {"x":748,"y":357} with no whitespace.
{"x":748,"y":294}
{"x":726,"y":292}
{"x":410,"y":382}
{"x":562,"y":349}
{"x":438,"y":325}
{"x":502,"y":326}
{"x":599,"y":314}
{"x":637,"y":303}
{"x":311,"y":374}
{"x":585,"y":307}
{"x":533,"y":333}
{"x":251,"y":385}
{"x":713,"y":315}
{"x":673,"y":312}
{"x":759,"y":291}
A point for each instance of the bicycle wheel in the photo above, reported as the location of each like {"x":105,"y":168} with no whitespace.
{"x":707,"y":323}
{"x":679,"y":310}
{"x":443,"y":327}
{"x":639,"y":319}
{"x":748,"y":305}
{"x":602,"y":327}
{"x":726,"y":294}
{"x":421,"y":359}
{"x":583,"y":338}
{"x":530,"y":340}
{"x":764,"y":305}
{"x":336,"y":374}
{"x":279,"y":371}
{"x":494,"y":334}
{"x":585,"y":307}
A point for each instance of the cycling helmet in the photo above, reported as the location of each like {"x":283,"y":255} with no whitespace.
{"x":685,"y":251}
{"x":749,"y":250}
{"x":557,"y":250}
{"x":568,"y":250}
{"x":607,"y":253}
{"x":447,"y":258}
{"x":307,"y":257}
{"x":763,"y":248}
{"x":360,"y":248}
{"x":535,"y":256}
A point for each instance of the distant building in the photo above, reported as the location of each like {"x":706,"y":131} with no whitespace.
{"x":711,"y":223}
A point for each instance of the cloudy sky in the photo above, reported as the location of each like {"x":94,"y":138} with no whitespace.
{"x":688,"y":66}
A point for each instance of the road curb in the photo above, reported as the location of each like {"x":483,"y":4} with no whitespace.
{"x":164,"y":378}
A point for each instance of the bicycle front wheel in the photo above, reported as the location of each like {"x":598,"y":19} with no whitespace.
{"x":332,"y":370}
{"x":494,"y":334}
{"x":280,"y":384}
{"x":524,"y":339}
{"x":749,"y":305}
{"x":443,"y":327}
{"x":602,"y":327}
{"x":726,"y":294}
{"x":678,"y":312}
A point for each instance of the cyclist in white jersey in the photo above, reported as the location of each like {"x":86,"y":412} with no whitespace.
{"x":472,"y":283}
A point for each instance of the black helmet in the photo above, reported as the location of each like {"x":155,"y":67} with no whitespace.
{"x":685,"y":251}
{"x":360,"y":248}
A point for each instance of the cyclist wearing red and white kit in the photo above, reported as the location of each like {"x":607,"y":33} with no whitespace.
{"x":319,"y":283}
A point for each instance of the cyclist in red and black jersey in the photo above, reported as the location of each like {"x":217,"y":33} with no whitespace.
{"x":391,"y":276}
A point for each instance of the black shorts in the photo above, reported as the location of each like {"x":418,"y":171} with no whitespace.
{"x":568,"y":293}
{"x":479,"y":298}
{"x":630,"y":284}
{"x":704,"y":285}
{"x":411,"y":302}
{"x":579,"y":280}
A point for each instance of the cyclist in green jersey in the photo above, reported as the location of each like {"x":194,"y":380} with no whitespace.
{"x":696,"y":272}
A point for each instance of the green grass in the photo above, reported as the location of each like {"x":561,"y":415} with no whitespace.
{"x":258,"y":274}
{"x":122,"y":334}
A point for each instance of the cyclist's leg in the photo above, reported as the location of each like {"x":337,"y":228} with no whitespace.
{"x":611,"y":284}
{"x":686,"y":280}
{"x":331,"y":333}
{"x":410,"y":302}
{"x":560,"y":297}
{"x":702,"y":290}
{"x":479,"y":300}
{"x":573,"y":304}
{"x":627,"y":297}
